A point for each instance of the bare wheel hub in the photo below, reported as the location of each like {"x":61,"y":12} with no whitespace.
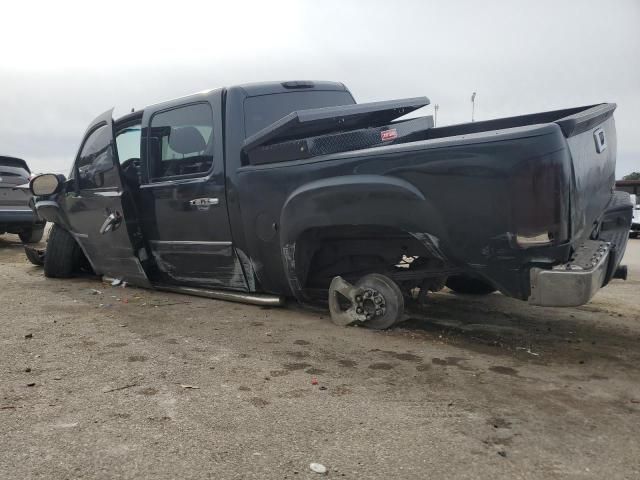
{"x":371,"y":303}
{"x":374,"y":301}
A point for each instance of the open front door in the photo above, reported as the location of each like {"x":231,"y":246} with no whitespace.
{"x":100,"y":209}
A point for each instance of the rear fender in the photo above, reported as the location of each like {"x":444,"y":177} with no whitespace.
{"x":356,"y":200}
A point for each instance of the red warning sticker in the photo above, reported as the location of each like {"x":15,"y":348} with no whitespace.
{"x":387,"y":135}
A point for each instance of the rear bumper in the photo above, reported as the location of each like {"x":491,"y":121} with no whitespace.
{"x":17,"y":216}
{"x":573,"y":283}
{"x":592,"y":264}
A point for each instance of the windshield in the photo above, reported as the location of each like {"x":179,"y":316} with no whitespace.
{"x":261,"y":111}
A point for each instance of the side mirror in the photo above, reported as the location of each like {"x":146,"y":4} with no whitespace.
{"x":46,"y":184}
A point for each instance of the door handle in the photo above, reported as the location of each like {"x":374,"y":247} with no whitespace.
{"x":203,"y":203}
{"x":111,"y":223}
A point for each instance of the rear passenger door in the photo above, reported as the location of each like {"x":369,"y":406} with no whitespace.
{"x":183,"y":201}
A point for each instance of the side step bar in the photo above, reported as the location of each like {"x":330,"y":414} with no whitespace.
{"x":240,"y":297}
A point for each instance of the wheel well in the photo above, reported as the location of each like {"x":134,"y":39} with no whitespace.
{"x":353,"y":251}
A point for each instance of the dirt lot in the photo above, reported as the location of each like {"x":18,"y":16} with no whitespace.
{"x":105,"y":382}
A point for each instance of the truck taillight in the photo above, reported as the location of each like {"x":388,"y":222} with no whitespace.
{"x":541,"y":192}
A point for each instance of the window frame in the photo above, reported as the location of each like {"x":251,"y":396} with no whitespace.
{"x":147,"y":160}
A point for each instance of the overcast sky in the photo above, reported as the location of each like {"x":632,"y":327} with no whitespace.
{"x":63,"y":63}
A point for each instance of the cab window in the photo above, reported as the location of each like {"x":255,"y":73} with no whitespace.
{"x":181,"y":142}
{"x":128,"y":144}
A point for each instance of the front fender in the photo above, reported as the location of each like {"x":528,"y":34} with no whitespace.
{"x":356,"y":200}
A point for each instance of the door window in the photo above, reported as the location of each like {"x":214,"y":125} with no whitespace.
{"x":95,"y":164}
{"x":181,"y":142}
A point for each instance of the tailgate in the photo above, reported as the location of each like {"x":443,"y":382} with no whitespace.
{"x":10,"y":196}
{"x":591,"y":135}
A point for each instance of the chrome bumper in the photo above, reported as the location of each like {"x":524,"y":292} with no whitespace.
{"x":573,"y":283}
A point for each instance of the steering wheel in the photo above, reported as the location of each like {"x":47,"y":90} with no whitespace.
{"x":130,"y":169}
{"x":130,"y":163}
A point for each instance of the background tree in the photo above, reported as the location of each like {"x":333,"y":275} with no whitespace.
{"x":632,"y":176}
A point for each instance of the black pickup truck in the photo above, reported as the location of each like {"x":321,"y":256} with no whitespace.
{"x":271,"y":190}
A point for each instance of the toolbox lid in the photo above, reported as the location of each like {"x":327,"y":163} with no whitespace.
{"x":318,"y":121}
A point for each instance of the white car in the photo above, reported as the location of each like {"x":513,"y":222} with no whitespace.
{"x":635,"y":223}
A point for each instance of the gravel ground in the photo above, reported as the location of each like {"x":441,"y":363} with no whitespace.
{"x":106,"y":382}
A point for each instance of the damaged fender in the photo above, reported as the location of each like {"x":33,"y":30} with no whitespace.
{"x":370,"y":200}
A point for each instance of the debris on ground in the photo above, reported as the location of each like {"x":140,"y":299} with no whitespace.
{"x":29,"y":335}
{"x":193,"y":387}
{"x":115,"y":282}
{"x":67,"y":425}
{"x":314,"y":381}
{"x":131,"y":385}
{"x":95,"y":291}
{"x":322,"y":388}
{"x":528,"y":350}
{"x":318,"y":468}
{"x":31,"y":384}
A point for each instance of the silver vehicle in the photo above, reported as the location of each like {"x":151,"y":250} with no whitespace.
{"x":16,"y":214}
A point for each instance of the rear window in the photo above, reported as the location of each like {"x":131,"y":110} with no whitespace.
{"x":12,"y":164}
{"x":16,"y":173}
{"x":263,"y":110}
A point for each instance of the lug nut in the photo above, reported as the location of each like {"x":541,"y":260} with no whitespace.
{"x":359,"y":310}
{"x":378,"y":312}
{"x":377,"y":300}
{"x":367,"y":294}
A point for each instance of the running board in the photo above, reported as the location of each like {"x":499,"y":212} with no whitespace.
{"x":250,"y":298}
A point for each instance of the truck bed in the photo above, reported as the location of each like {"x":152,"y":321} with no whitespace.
{"x":472,"y":192}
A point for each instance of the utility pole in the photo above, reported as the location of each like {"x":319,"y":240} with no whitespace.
{"x":435,"y":118}
{"x":473,"y":106}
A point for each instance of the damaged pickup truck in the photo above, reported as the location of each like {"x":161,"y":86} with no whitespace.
{"x":260,"y":192}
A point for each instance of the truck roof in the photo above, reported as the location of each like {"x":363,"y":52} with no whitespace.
{"x":253,"y":90}
{"x":267,"y":88}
